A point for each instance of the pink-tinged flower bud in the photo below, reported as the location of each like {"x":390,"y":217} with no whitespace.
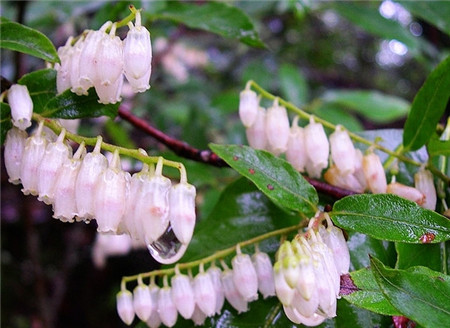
{"x":244,"y":276}
{"x":109,"y":94}
{"x":182,"y":211}
{"x":248,"y":107}
{"x":216,"y":275}
{"x":125,"y":308}
{"x":154,"y":321}
{"x":291,"y":272}
{"x":137,"y":55}
{"x":198,"y":317}
{"x":334,"y":239}
{"x":335,"y":177}
{"x":63,"y":81}
{"x":306,"y":285}
{"x":91,"y":168}
{"x":166,"y":307}
{"x":183,"y":295}
{"x":64,"y":203}
{"x":312,"y":170}
{"x":75,"y":82}
{"x":264,"y":271}
{"x":13,"y":153}
{"x":110,"y":196}
{"x":32,"y":155}
{"x":142,"y":302}
{"x":359,"y":172}
{"x":342,"y":151}
{"x":231,"y":292}
{"x":284,"y":293}
{"x":56,"y":153}
{"x":406,"y":192}
{"x":423,"y":180}
{"x":152,"y":207}
{"x":303,"y":306}
{"x":204,"y":291}
{"x":324,"y":284}
{"x":317,"y":147}
{"x":21,"y":106}
{"x":110,"y":58}
{"x":296,"y":149}
{"x":295,"y":317}
{"x":374,"y":173}
{"x":256,"y":133}
{"x":277,"y":128}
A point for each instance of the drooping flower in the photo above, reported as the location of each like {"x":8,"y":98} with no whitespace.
{"x":142,"y":301}
{"x":296,"y":149}
{"x":342,"y":151}
{"x":182,"y":211}
{"x":248,"y":107}
{"x":13,"y":153}
{"x":125,"y":308}
{"x":183,"y":294}
{"x":423,"y":181}
{"x":205,"y":296}
{"x":277,"y":128}
{"x":21,"y":106}
{"x":374,"y":173}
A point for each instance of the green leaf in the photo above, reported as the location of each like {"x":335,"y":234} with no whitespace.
{"x":275,"y":177}
{"x":215,"y":17}
{"x":69,"y":106}
{"x":374,"y":105}
{"x":409,"y":255}
{"x":367,"y":16}
{"x":361,"y":289}
{"x":438,"y":147}
{"x":5,"y":121}
{"x":390,"y":217}
{"x":335,"y":114}
{"x":241,"y":213}
{"x":41,"y":86}
{"x":21,"y":38}
{"x":434,"y":12}
{"x":294,"y":87}
{"x":420,"y":295}
{"x":427,"y":108}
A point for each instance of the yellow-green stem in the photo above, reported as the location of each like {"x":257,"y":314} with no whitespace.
{"x":217,"y":255}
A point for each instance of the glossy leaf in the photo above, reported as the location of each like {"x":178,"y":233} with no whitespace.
{"x":5,"y":121}
{"x":350,"y":315}
{"x":427,"y":108}
{"x":215,"y":17}
{"x":421,"y":295}
{"x":409,"y":255}
{"x":434,"y":12}
{"x":41,"y":86}
{"x":438,"y":147}
{"x":390,"y":217}
{"x":374,"y":105}
{"x":273,"y":176}
{"x":24,"y":39}
{"x":68,"y":105}
{"x":242,"y":212}
{"x":294,"y":87}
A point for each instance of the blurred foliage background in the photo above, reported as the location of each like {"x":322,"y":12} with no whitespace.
{"x":354,"y":63}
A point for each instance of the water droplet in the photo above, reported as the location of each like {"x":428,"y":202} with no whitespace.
{"x":167,"y":249}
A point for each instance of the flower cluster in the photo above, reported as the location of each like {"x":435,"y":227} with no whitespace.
{"x":307,"y":273}
{"x":309,"y":149}
{"x":99,"y":59}
{"x":202,"y":296}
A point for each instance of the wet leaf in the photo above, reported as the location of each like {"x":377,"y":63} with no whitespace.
{"x":273,"y":176}
{"x":434,"y":12}
{"x":420,"y":294}
{"x":389,"y":217}
{"x":24,"y":39}
{"x":409,"y":255}
{"x":438,"y":147}
{"x":294,"y":87}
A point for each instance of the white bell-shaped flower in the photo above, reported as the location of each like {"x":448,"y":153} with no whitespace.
{"x":303,"y":306}
{"x":256,"y":133}
{"x":56,"y":153}
{"x":406,"y":192}
{"x":92,"y":167}
{"x":154,"y":321}
{"x":335,"y":177}
{"x":166,"y":307}
{"x":342,"y":151}
{"x":204,"y":291}
{"x":295,"y":317}
{"x":137,"y":55}
{"x":359,"y":172}
{"x":284,"y":292}
{"x":110,"y":196}
{"x":306,"y":285}
{"x":182,"y":211}
{"x":142,"y":302}
{"x":324,"y":284}
{"x":64,"y":203}
{"x":110,"y":58}
{"x":183,"y":294}
{"x":152,"y":207}
{"x":374,"y":173}
{"x":296,"y":150}
{"x":248,"y":107}
{"x":125,"y":308}
{"x":264,"y":271}
{"x":13,"y":153}
{"x":216,"y":275}
{"x":244,"y":276}
{"x":75,"y":81}
{"x":277,"y":128}
{"x":289,"y":264}
{"x":21,"y":106}
{"x":63,"y":69}
{"x":110,"y":94}
{"x":31,"y":160}
{"x":423,"y":181}
{"x":231,"y":291}
{"x":198,"y":317}
{"x":317,"y":147}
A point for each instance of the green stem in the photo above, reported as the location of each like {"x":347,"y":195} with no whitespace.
{"x":134,"y":153}
{"x":217,"y":255}
{"x":301,"y":113}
